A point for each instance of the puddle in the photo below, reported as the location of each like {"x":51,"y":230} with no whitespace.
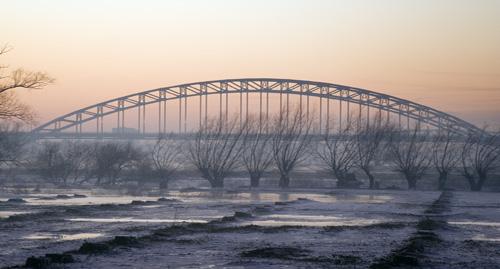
{"x":481,"y":237}
{"x":63,"y":237}
{"x":361,"y":198}
{"x":151,"y":206}
{"x":40,"y":236}
{"x":279,"y":197}
{"x":6,"y":214}
{"x":311,"y":220}
{"x":89,"y":200}
{"x":302,"y":217}
{"x":311,"y":223}
{"x":81,"y":236}
{"x":479,"y":223}
{"x":140,"y":220}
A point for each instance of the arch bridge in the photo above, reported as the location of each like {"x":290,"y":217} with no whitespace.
{"x":171,"y":108}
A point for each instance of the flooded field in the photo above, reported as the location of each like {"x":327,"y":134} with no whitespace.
{"x":201,"y":228}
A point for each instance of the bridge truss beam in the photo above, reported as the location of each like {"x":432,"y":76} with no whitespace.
{"x":261,"y":86}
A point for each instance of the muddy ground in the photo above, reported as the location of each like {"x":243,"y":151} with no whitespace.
{"x":250,"y":228}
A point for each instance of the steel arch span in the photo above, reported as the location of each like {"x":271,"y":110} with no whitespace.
{"x":283,"y":87}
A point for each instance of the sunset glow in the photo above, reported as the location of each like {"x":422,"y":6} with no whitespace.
{"x":442,"y":54}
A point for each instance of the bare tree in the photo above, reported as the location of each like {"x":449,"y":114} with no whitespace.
{"x":216,"y":148}
{"x":12,"y":142}
{"x":369,"y":144}
{"x":337,"y":152}
{"x":445,"y":153}
{"x":163,"y":159}
{"x":480,"y":155}
{"x":410,"y":153}
{"x":292,"y":137}
{"x":109,"y":159}
{"x":50,"y":164}
{"x":10,"y":106}
{"x":57,"y":162}
{"x":76,"y":155}
{"x":12,"y":147}
{"x":11,"y":109}
{"x":257,"y":154}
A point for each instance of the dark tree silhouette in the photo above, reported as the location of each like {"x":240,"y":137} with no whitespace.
{"x":57,"y":162}
{"x":369,"y":143}
{"x":337,"y":152}
{"x":109,"y":159}
{"x":163,"y":159}
{"x":291,"y":141}
{"x":11,"y":108}
{"x":410,"y":153}
{"x":78,"y":153}
{"x":12,"y":142}
{"x":257,"y":154}
{"x":45,"y":161}
{"x":216,"y":148}
{"x":445,"y":153}
{"x":50,"y":164}
{"x":480,"y":155}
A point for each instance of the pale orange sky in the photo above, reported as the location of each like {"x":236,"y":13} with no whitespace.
{"x":443,"y":54}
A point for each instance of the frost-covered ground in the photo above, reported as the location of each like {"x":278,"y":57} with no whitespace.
{"x":245,"y":228}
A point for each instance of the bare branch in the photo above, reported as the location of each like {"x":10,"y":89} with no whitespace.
{"x":163,"y":156}
{"x":370,"y":146}
{"x":291,"y":140}
{"x":21,"y":78}
{"x":216,"y":149}
{"x":480,"y":155}
{"x":338,"y":151}
{"x":445,"y":153}
{"x":11,"y":108}
{"x":410,"y":154}
{"x":5,"y":48}
{"x":12,"y":143}
{"x":257,"y":155}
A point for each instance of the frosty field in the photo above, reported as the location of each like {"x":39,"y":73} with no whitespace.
{"x":253,"y":228}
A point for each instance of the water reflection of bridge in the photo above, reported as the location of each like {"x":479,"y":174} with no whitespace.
{"x":182,"y":108}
